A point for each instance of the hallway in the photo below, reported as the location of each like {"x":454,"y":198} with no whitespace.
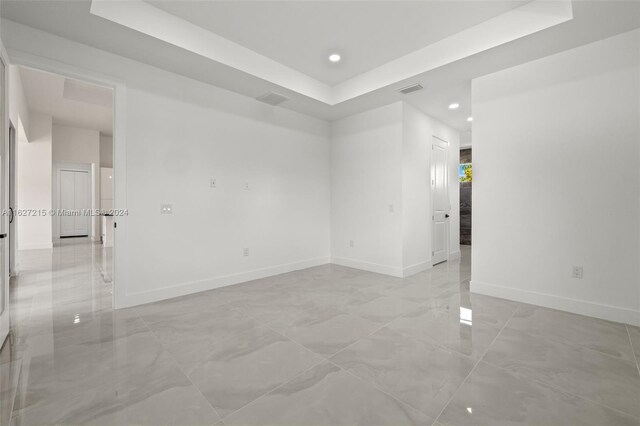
{"x":326,"y":345}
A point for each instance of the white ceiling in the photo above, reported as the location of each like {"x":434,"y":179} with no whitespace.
{"x":447,"y":82}
{"x":70,"y":102}
{"x":301,"y":35}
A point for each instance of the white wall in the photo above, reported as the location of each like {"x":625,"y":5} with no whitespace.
{"x":181,"y":133}
{"x":418,"y":132}
{"x":76,"y":145}
{"x":366,"y":178}
{"x":106,"y":151}
{"x":34,"y":191}
{"x":18,"y":108}
{"x":557,"y":182}
{"x":106,"y":188}
{"x":79,"y":146}
{"x":381,"y":158}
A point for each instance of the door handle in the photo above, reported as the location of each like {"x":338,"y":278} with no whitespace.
{"x":11,"y":215}
{"x":3,"y":236}
{"x":446,"y":216}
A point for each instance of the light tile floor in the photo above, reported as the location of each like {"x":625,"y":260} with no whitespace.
{"x":323,"y":346}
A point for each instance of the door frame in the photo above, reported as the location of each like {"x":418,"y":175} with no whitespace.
{"x":120,"y":249}
{"x":13,"y":198}
{"x":5,"y":320}
{"x":438,"y":140}
{"x":59,"y":166}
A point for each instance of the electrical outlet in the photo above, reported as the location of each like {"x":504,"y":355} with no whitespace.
{"x":245,"y":251}
{"x":246,"y":186}
{"x":391,"y":208}
{"x":577,"y":272}
{"x":212,"y":183}
{"x":350,"y":243}
{"x":166,"y":208}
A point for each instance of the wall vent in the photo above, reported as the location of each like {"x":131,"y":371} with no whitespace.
{"x":410,"y":89}
{"x":272,"y":98}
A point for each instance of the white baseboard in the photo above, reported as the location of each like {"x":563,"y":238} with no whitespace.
{"x":36,"y":246}
{"x":582,"y":307}
{"x":418,"y":267}
{"x":454,"y":255}
{"x":368,"y":266}
{"x":217,"y":282}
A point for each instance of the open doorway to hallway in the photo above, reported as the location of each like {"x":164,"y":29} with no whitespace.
{"x":62,"y":181}
{"x":466,"y":181}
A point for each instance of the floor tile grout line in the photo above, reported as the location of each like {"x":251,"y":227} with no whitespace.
{"x":15,"y":391}
{"x":543,"y":382}
{"x":475,"y":365}
{"x":325,"y":358}
{"x":177,"y":363}
{"x":431,"y":340}
{"x":633,"y":351}
{"x":274,"y":330}
{"x":322,"y":361}
{"x":557,"y":388}
{"x":376,"y":387}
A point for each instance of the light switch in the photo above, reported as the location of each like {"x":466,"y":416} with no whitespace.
{"x":166,"y":208}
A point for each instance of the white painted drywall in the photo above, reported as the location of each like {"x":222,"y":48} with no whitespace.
{"x":379,"y":159}
{"x":106,"y":150}
{"x":556,"y":144}
{"x":34,"y":190}
{"x":75,"y":145}
{"x":366,"y":178}
{"x":180,"y":134}
{"x":418,"y":132}
{"x":80,"y":146}
{"x":106,"y":188}
{"x":18,"y":108}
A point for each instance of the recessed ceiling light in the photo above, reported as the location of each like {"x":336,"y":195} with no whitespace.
{"x":470,"y":119}
{"x":334,"y":57}
{"x":454,"y":106}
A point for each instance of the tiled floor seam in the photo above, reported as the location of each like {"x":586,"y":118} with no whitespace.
{"x":276,"y":388}
{"x":475,"y":365}
{"x":325,"y":358}
{"x":15,"y":392}
{"x":178,"y":365}
{"x":433,"y":341}
{"x":274,"y":330}
{"x":555,"y":387}
{"x":633,"y":351}
{"x":376,"y":387}
{"x":525,"y":377}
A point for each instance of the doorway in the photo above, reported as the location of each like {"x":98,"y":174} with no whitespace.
{"x":440,"y":200}
{"x":59,"y":157}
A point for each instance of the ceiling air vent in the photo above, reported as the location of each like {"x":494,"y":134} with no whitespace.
{"x":410,"y":89}
{"x":272,"y":98}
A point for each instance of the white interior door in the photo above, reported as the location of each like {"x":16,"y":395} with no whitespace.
{"x":4,"y":176}
{"x":82,"y":203}
{"x":74,"y":197}
{"x":440,"y":200}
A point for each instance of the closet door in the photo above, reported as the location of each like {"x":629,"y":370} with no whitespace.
{"x":75,"y":201}
{"x":82,"y":203}
{"x":67,"y":203}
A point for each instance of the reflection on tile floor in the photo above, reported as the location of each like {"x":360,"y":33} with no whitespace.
{"x":323,"y":346}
